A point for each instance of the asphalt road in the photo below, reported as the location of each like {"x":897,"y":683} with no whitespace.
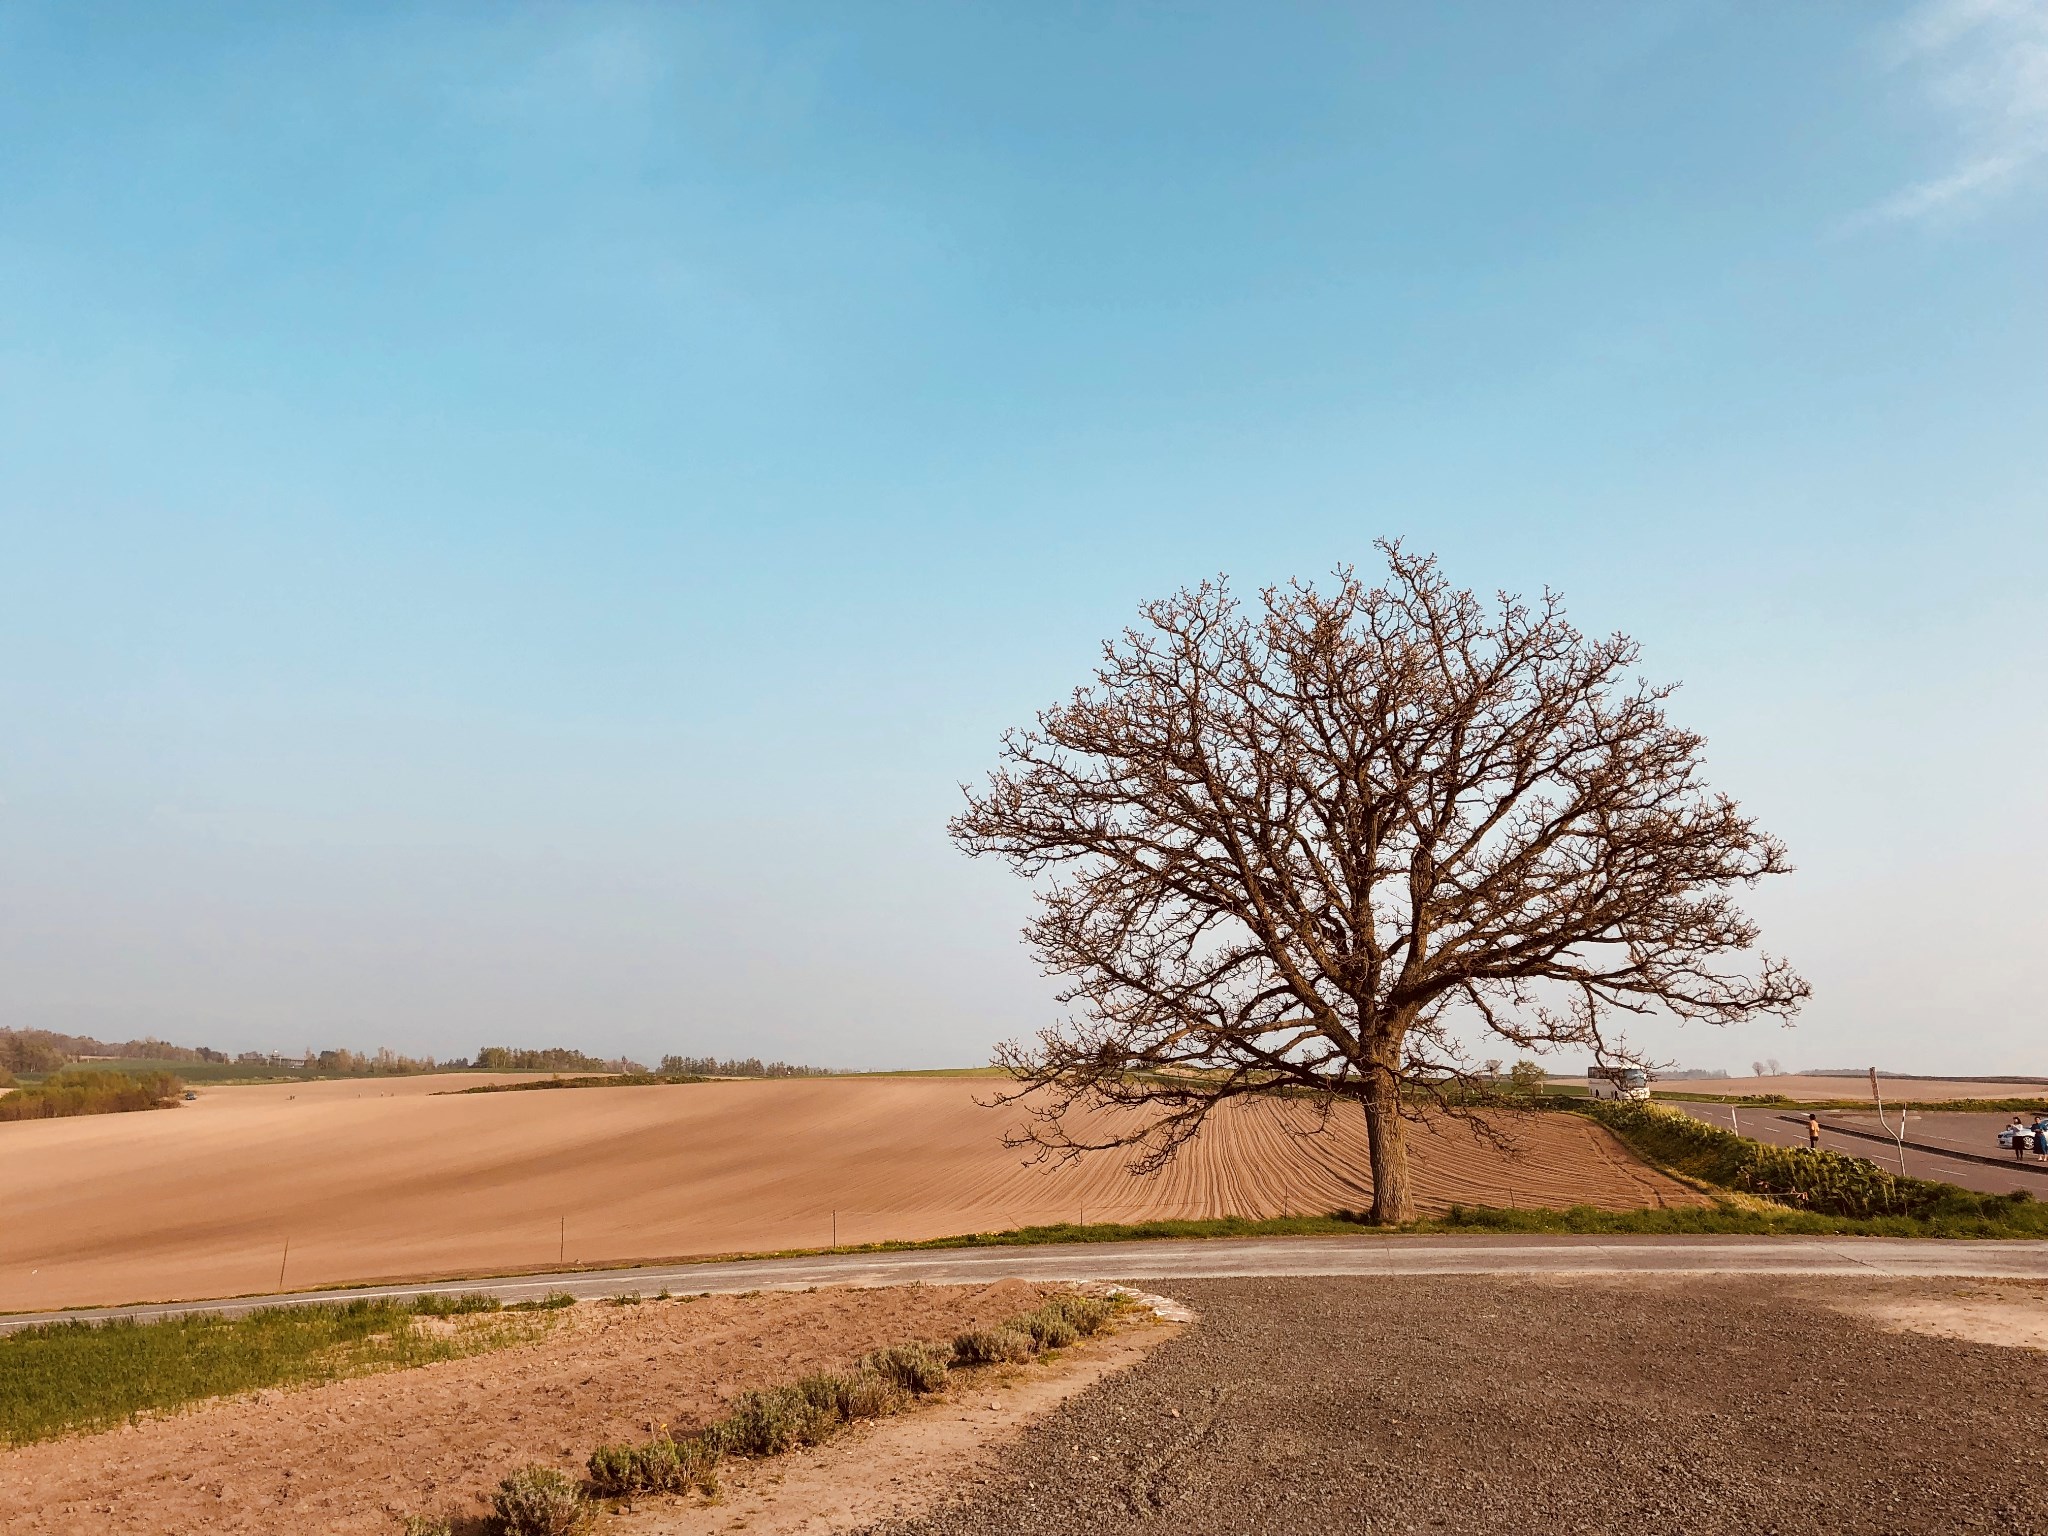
{"x":1211,"y":1259}
{"x":1722,"y":1406}
{"x":1768,"y":1123}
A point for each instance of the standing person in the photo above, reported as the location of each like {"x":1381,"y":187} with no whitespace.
{"x":2041,"y":1138}
{"x":1812,"y":1132}
{"x":2022,"y":1139}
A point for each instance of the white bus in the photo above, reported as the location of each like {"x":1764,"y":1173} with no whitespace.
{"x":1618,"y":1082}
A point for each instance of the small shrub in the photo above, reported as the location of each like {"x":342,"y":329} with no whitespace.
{"x":662,"y":1465}
{"x":539,"y":1501}
{"x":1062,"y":1319}
{"x":869,"y":1396}
{"x":1086,"y":1315}
{"x":916,"y":1368}
{"x":428,"y":1525}
{"x":992,"y":1346}
{"x":613,"y":1470}
{"x":671,"y":1466}
{"x":1049,"y":1329}
{"x":865,"y":1394}
{"x":825,"y":1392}
{"x":624,"y":1299}
{"x":769,"y":1422}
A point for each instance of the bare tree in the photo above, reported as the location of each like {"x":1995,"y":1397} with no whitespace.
{"x":1311,"y":848}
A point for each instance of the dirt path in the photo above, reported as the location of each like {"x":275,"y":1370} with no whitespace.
{"x":368,"y":1181}
{"x":1694,"y":1407}
{"x":895,"y":1467}
{"x":352,"y":1456}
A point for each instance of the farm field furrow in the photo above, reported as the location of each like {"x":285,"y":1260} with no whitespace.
{"x":376,"y":1181}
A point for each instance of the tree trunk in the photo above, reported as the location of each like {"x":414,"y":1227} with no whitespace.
{"x":1393,"y":1198}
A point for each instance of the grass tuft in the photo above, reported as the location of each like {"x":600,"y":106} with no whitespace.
{"x":464,"y":1305}
{"x":554,"y":1301}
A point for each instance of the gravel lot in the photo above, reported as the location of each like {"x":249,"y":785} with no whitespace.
{"x":1653,"y":1405}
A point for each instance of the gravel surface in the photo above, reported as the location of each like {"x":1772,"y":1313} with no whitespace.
{"x":1659,"y":1406}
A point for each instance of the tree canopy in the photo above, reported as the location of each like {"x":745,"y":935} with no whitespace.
{"x":1318,"y":844}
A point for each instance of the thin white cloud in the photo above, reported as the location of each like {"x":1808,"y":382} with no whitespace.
{"x":1984,"y":66}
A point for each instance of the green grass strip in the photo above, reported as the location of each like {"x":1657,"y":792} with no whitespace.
{"x":65,"y":1377}
{"x":1852,"y":1193}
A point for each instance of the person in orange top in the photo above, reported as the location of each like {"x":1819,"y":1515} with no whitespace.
{"x":1813,"y":1133}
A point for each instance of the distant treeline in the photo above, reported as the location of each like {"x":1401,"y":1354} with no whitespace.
{"x":385,"y":1063}
{"x":90,"y":1093}
{"x":752,"y":1066}
{"x":506,"y":1058}
{"x":37,"y":1051}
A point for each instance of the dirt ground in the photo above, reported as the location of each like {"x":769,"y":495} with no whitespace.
{"x":1685,"y":1407}
{"x":354,"y":1455}
{"x":896,"y":1467}
{"x":369,"y":1180}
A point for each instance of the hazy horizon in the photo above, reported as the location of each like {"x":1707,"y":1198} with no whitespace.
{"x":518,"y":521}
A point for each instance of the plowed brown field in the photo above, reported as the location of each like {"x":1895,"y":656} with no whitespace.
{"x":389,"y":1180}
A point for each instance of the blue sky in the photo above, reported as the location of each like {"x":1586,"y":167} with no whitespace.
{"x":514,"y":522}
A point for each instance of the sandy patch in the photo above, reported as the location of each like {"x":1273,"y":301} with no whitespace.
{"x":2012,"y":1313}
{"x":370,"y":1181}
{"x":352,"y":1456}
{"x":893,"y":1468}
